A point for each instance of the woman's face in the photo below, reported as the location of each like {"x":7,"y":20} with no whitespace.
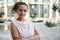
{"x":21,"y":11}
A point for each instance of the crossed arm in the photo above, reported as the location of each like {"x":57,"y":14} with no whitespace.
{"x":15,"y":34}
{"x":36,"y":35}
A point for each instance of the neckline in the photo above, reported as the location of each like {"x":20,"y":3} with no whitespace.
{"x":21,"y":21}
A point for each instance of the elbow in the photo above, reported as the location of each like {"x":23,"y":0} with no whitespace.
{"x":39,"y":37}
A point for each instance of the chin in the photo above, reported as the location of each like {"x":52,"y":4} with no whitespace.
{"x":23,"y":16}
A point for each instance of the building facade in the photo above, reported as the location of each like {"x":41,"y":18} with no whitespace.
{"x":42,"y":9}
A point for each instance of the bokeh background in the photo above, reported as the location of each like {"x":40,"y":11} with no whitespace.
{"x":45,"y":14}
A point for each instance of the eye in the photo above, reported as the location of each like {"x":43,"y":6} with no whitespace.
{"x":24,"y":10}
{"x":20,"y":9}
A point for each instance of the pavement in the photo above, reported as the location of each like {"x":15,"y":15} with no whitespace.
{"x":46,"y":33}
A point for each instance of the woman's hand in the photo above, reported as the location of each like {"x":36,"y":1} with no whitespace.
{"x":36,"y":35}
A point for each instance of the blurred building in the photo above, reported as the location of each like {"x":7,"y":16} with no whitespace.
{"x":42,"y":9}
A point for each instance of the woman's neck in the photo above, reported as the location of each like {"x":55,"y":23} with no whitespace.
{"x":20,"y":19}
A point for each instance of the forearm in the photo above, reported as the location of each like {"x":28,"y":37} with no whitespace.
{"x":19,"y":38}
{"x":36,"y":37}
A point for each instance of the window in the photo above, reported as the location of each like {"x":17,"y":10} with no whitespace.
{"x":9,"y":8}
{"x":34,"y":9}
{"x":33,"y":6}
{"x":46,"y":1}
{"x":11,"y":2}
{"x":1,"y":12}
{"x":54,"y":1}
{"x":44,"y":11}
{"x":1,"y":8}
{"x":20,"y":0}
{"x":1,"y":3}
{"x":35,"y":0}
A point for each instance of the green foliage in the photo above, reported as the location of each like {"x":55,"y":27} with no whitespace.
{"x":59,"y":8}
{"x":50,"y":24}
{"x":1,"y":21}
{"x":1,"y":14}
{"x":54,"y":8}
{"x":38,"y":21}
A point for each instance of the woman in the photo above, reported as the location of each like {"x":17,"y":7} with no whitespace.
{"x":22,"y":29}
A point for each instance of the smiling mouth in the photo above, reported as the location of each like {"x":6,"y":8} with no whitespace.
{"x":22,"y":15}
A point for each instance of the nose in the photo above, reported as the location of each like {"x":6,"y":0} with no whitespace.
{"x":22,"y":13}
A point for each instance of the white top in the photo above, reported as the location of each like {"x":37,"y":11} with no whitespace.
{"x":26,"y":28}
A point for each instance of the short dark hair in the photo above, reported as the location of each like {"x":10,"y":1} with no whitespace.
{"x":15,"y":7}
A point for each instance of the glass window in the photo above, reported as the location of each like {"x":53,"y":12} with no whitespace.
{"x":35,"y":0}
{"x":33,"y":6}
{"x":44,"y":11}
{"x":9,"y":7}
{"x":20,"y":0}
{"x":1,"y":3}
{"x":46,"y":1}
{"x":10,"y":12}
{"x":34,"y":10}
{"x":1,"y":12}
{"x":54,"y":1}
{"x":1,"y":8}
{"x":11,"y":2}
